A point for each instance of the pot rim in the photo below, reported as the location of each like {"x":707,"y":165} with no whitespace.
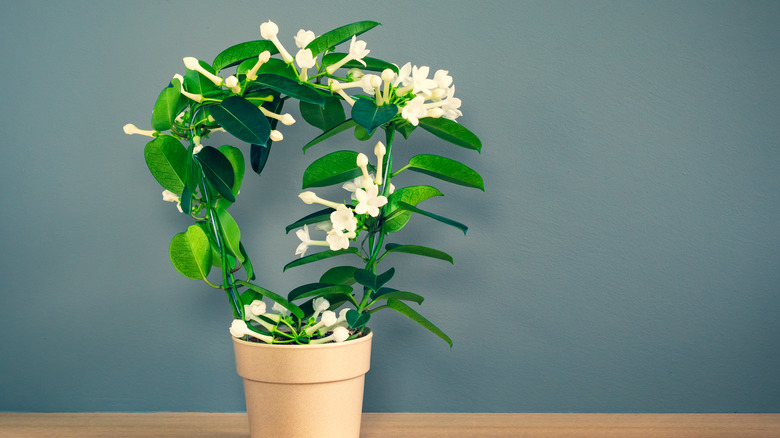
{"x":365,"y":338}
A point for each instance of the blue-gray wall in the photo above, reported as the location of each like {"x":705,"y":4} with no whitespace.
{"x":624,"y":257}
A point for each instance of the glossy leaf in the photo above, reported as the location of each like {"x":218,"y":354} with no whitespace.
{"x":218,"y":171}
{"x":387,"y":293}
{"x":274,"y":66}
{"x":320,"y":256}
{"x":341,"y":127}
{"x":372,"y":64}
{"x":231,"y":237}
{"x":290,"y":87}
{"x":169,"y":104}
{"x":339,"y":35}
{"x":334,"y":168}
{"x":441,"y":219}
{"x":407,"y":311}
{"x":361,"y":134}
{"x":190,"y":253}
{"x":236,"y":158}
{"x":166,"y":159}
{"x":411,"y":195}
{"x":326,"y":116}
{"x":273,"y":297}
{"x":258,"y":156}
{"x":235,"y":55}
{"x":446,"y":169}
{"x":418,"y":250}
{"x":318,"y":289}
{"x":339,"y":275}
{"x":247,"y":264}
{"x":317,"y":216}
{"x":371,"y":280}
{"x":242,"y":119}
{"x":452,"y":132}
{"x":405,"y":129}
{"x":368,"y":115}
{"x":357,"y":320}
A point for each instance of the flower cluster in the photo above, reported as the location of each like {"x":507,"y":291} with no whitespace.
{"x":322,"y":327}
{"x":344,"y":225}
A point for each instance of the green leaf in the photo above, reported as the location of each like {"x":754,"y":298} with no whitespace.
{"x":169,"y":104}
{"x":339,"y":35}
{"x":441,"y":219}
{"x":242,"y":119}
{"x":218,"y":171}
{"x":334,"y":168}
{"x":452,"y":132}
{"x":290,"y":87}
{"x":411,"y":195}
{"x":405,"y":129}
{"x":446,"y":169}
{"x":231,"y":233}
{"x":273,"y":297}
{"x":341,"y":127}
{"x":258,"y":156}
{"x":387,"y":293}
{"x":166,"y":159}
{"x":368,"y":115}
{"x":236,"y":158}
{"x":361,"y":134}
{"x":372,"y":64}
{"x":418,"y":250}
{"x":318,"y":289}
{"x":339,"y":275}
{"x":250,"y":272}
{"x":317,"y":216}
{"x":407,"y":311}
{"x":234,"y":55}
{"x":324,"y":117}
{"x":371,"y":280}
{"x":320,"y":256}
{"x":357,"y":320}
{"x":190,"y":253}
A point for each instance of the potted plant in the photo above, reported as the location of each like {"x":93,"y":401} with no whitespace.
{"x":317,"y":334}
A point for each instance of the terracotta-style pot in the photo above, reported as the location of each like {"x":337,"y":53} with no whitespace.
{"x":304,"y":390}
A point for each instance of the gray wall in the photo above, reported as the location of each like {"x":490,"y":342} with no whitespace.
{"x":624,"y":257}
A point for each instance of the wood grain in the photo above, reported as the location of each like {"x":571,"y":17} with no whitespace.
{"x":400,"y":425}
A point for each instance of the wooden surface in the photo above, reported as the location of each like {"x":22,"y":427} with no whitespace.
{"x":398,"y":425}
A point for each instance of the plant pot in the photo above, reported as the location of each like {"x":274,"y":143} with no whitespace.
{"x":304,"y":390}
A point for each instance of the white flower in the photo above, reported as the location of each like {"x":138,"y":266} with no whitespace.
{"x":357,"y":50}
{"x":414,"y":110}
{"x":193,"y":64}
{"x":379,"y":151}
{"x":278,"y":308}
{"x":328,"y":318}
{"x":262,"y":58}
{"x":304,"y":59}
{"x":404,"y":77}
{"x":169,"y":196}
{"x":340,"y":334}
{"x":269,"y":31}
{"x":306,"y":241}
{"x":337,"y":239}
{"x":450,"y":105}
{"x":319,"y":304}
{"x":257,"y":307}
{"x":421,"y":83}
{"x":232,"y":83}
{"x":308,"y":197}
{"x":286,"y":118}
{"x":369,"y":201}
{"x":239,"y":329}
{"x":131,"y":129}
{"x":188,"y":95}
{"x":442,"y":78}
{"x":343,"y":219}
{"x":355,"y":184}
{"x":303,"y":38}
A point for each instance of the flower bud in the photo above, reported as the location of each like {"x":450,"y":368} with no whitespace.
{"x":276,"y":135}
{"x":257,"y":307}
{"x":269,"y":29}
{"x":340,"y":334}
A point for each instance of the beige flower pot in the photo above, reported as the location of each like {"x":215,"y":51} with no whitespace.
{"x":312,"y":391}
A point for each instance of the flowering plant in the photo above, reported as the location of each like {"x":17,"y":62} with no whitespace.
{"x":204,"y":181}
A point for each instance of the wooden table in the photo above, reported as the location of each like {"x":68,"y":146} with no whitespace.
{"x":399,"y":425}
